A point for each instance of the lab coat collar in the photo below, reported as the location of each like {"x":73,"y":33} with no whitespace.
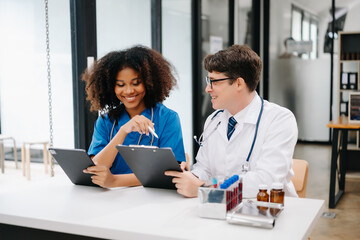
{"x":254,"y":110}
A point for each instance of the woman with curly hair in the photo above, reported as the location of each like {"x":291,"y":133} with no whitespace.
{"x":128,"y":87}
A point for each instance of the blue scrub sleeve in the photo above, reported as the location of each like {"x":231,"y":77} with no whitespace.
{"x":100,"y":138}
{"x":172,"y":136}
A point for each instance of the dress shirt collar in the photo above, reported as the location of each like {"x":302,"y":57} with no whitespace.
{"x":249,"y":114}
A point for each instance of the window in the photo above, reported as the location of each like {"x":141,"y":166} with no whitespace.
{"x":176,"y":18}
{"x":122,"y":24}
{"x":304,"y":27}
{"x":23,"y":72}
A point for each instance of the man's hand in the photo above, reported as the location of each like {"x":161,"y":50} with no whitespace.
{"x":185,"y":182}
{"x":102,"y":176}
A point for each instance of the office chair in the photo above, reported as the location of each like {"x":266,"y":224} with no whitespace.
{"x":301,"y":169}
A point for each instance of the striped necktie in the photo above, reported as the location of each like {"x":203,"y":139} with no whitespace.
{"x":231,"y":127}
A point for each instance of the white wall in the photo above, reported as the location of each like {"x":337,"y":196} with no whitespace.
{"x":352,"y":23}
{"x":301,"y":85}
{"x":304,"y":88}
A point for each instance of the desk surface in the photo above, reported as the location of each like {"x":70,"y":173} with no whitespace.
{"x":343,"y":123}
{"x":139,"y":213}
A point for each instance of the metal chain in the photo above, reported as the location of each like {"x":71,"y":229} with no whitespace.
{"x":49,"y":83}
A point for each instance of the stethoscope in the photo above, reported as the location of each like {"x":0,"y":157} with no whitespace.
{"x":244,"y":166}
{"x":141,"y":135}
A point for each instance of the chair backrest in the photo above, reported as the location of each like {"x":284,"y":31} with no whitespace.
{"x":301,"y":169}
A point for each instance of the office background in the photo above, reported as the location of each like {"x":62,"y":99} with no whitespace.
{"x":184,"y":31}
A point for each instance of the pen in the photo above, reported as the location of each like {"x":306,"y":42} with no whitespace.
{"x":153,"y":132}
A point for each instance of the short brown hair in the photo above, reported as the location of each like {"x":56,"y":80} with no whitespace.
{"x":154,"y":70}
{"x":236,"y":61}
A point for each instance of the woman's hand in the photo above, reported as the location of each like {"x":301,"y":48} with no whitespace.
{"x":139,"y":123}
{"x":184,"y":166}
{"x":101,"y":176}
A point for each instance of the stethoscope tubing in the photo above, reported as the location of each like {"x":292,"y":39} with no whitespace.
{"x":201,"y":141}
{"x":152,"y":136}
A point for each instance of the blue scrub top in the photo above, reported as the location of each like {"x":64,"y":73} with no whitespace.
{"x":167,"y":127}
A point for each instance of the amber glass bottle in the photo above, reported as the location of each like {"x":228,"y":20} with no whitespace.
{"x":276,"y":196}
{"x":262,"y":196}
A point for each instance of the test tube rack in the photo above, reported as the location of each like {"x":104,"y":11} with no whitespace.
{"x":216,"y":199}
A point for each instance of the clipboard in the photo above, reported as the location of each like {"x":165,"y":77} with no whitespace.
{"x":149,"y":163}
{"x":73,"y":162}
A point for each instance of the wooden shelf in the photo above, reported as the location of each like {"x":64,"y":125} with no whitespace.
{"x":348,"y":90}
{"x":353,"y":147}
{"x":342,"y":61}
{"x":348,"y":47}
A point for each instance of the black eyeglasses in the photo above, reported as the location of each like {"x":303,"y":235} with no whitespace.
{"x":210,"y":81}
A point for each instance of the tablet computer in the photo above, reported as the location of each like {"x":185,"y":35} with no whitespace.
{"x":73,"y":162}
{"x":150,"y":163}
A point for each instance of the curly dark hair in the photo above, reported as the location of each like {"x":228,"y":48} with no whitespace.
{"x":236,"y":61}
{"x":154,"y":70}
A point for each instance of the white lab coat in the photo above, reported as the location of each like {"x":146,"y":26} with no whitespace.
{"x":271,"y":158}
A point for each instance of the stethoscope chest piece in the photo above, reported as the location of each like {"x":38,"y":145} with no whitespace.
{"x":245,"y":167}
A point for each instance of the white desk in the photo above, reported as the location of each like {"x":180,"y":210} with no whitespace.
{"x":139,"y":213}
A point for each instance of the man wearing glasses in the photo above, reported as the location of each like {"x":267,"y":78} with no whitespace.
{"x":246,"y":135}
